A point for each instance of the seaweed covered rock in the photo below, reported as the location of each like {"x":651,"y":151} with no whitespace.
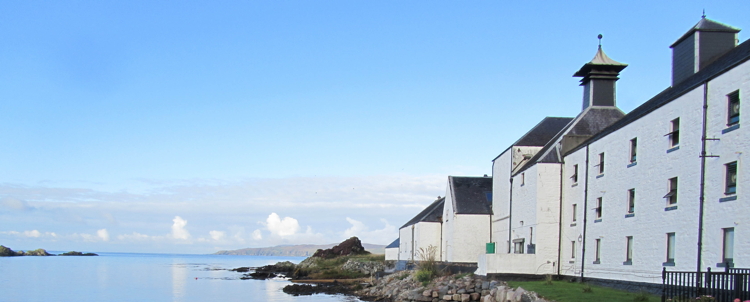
{"x":74,"y":253}
{"x":351,"y":246}
{"x":6,"y":252}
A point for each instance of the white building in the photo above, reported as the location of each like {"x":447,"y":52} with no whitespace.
{"x":391,"y":250}
{"x":421,"y":232}
{"x":619,"y":197}
{"x":466,"y":218}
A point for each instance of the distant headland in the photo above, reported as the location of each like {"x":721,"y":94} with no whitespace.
{"x":7,"y":252}
{"x":302,"y":250}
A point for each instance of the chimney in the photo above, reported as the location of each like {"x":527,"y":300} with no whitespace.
{"x":599,"y":77}
{"x":701,"y":45}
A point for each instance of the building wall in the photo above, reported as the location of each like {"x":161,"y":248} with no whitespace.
{"x":470,"y":236}
{"x":406,"y":243}
{"x":391,"y":253}
{"x":535,"y":220}
{"x":427,"y":234}
{"x":572,"y":229}
{"x":731,"y":146}
{"x":446,"y":245}
{"x":500,"y":200}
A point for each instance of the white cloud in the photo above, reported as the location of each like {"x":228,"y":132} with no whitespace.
{"x":135,"y":236}
{"x":381,"y":236}
{"x":178,"y":228}
{"x":257,"y":235}
{"x":281,"y":227}
{"x":33,"y":233}
{"x":217,"y":235}
{"x":103,"y":234}
{"x":15,"y":204}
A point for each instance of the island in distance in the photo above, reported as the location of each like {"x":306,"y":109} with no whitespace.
{"x":7,"y":252}
{"x":302,"y":250}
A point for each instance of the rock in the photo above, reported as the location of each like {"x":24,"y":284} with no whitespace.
{"x":487,"y":298}
{"x":474,"y":296}
{"x":427,"y":293}
{"x":465,"y":298}
{"x":461,"y":291}
{"x":351,"y":246}
{"x":485,"y":285}
{"x":448,"y":297}
{"x":368,"y":267}
{"x":435,"y":294}
{"x":456,"y":297}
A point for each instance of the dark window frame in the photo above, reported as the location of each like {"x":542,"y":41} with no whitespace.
{"x":631,"y":201}
{"x":731,"y":178}
{"x":634,"y":150}
{"x":733,"y":108}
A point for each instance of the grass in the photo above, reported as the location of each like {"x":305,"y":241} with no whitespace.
{"x":331,"y":268}
{"x":564,"y":291}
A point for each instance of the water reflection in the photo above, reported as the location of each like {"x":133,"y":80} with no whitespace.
{"x":179,"y":277}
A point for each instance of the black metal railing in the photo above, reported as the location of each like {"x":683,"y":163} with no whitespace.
{"x":728,"y":285}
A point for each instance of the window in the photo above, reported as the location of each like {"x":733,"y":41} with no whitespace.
{"x":633,"y":149}
{"x":575,"y":174}
{"x":670,"y":247}
{"x":672,"y":194}
{"x":674,"y":136}
{"x":631,"y":201}
{"x":572,"y":249}
{"x":598,"y":208}
{"x":728,"y":249}
{"x":575,"y":212}
{"x":518,"y":246}
{"x":734,"y":108}
{"x":629,"y":253}
{"x":598,"y":250}
{"x":523,"y":179}
{"x":731,"y":178}
{"x":601,"y":163}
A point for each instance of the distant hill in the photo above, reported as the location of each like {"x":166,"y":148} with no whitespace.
{"x":302,"y":250}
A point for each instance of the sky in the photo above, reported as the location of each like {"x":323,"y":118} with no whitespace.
{"x":193,"y":127}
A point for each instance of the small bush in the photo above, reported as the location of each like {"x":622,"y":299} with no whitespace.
{"x":548,"y":279}
{"x":587,"y":289}
{"x":641,"y":297}
{"x":423,"y":276}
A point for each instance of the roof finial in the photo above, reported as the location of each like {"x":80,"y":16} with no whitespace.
{"x":704,"y":14}
{"x":600,"y":40}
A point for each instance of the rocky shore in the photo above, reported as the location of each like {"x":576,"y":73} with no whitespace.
{"x":403,"y":286}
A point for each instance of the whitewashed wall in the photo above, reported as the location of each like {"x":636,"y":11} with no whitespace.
{"x":427,"y":234}
{"x":536,"y":204}
{"x":446,"y":245}
{"x":731,"y":146}
{"x":406,"y":243}
{"x":572,"y":230}
{"x":391,"y":253}
{"x":652,"y":219}
{"x":470,"y":236}
{"x":500,"y":200}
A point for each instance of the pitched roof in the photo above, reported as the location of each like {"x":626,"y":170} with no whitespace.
{"x":431,"y":213}
{"x":734,"y":57}
{"x":394,"y":244}
{"x":600,"y":59}
{"x":706,"y":24}
{"x":542,"y":133}
{"x":588,"y":123}
{"x":471,"y":195}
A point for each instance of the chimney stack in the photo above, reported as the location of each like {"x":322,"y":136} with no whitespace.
{"x":599,"y":77}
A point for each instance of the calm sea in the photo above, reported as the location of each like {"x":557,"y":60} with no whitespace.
{"x":142,"y":277}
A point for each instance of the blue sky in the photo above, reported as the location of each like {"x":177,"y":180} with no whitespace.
{"x":149,"y":126}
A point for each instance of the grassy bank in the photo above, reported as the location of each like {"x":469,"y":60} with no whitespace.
{"x":564,"y":291}
{"x":331,"y":268}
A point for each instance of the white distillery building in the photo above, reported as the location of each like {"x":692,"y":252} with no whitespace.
{"x":615,"y":197}
{"x":421,"y":232}
{"x":466,"y":218}
{"x":391,"y":250}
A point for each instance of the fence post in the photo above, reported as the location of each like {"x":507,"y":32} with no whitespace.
{"x":664,"y":284}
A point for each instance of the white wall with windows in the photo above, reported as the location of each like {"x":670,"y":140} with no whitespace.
{"x":728,"y":209}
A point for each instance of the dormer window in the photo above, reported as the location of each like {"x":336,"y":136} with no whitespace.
{"x":734,"y":108}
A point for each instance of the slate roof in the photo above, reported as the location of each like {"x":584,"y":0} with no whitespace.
{"x":394,"y":244}
{"x":588,"y":123}
{"x":542,"y":133}
{"x":471,"y":195}
{"x":734,"y":57}
{"x":707,"y":25}
{"x":431,"y":213}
